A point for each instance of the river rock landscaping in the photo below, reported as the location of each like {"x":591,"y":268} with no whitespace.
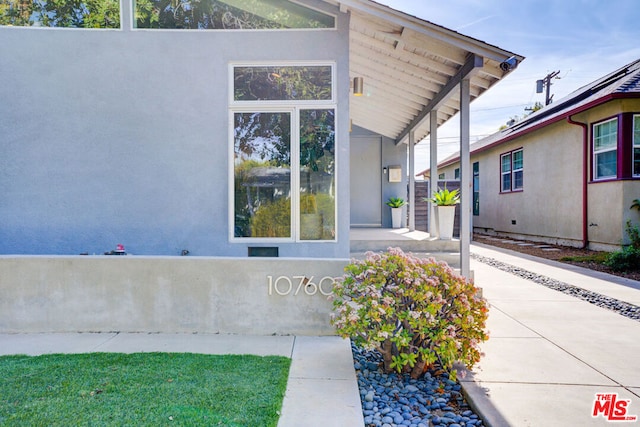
{"x":621,"y":307}
{"x":393,"y":400}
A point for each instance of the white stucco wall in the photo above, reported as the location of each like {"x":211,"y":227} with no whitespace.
{"x":122,"y":136}
{"x":390,"y":155}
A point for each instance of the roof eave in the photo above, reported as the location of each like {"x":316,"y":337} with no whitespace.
{"x":558,"y":118}
{"x":438,"y":32}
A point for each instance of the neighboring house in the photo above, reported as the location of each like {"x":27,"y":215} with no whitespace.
{"x":567,"y":173}
{"x":218,"y":127}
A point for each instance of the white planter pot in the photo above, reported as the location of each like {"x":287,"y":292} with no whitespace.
{"x":396,"y":217}
{"x":445,"y":216}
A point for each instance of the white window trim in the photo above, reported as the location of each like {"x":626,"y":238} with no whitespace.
{"x":596,"y":152}
{"x":512,"y":171}
{"x":294,"y":108}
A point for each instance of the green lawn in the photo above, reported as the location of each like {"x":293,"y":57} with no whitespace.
{"x":159,"y":389}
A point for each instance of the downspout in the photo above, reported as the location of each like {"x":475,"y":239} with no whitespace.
{"x":585,"y":180}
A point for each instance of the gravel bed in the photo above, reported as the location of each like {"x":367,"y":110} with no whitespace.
{"x":392,"y":400}
{"x":623,"y":308}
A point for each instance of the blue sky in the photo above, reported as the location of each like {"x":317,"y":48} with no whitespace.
{"x":583,"y":39}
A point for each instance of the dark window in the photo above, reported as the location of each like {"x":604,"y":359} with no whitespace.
{"x":636,"y":145}
{"x":476,"y":188}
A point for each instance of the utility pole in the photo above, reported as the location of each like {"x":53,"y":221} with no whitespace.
{"x":546,"y":82}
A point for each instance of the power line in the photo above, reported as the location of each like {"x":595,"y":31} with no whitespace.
{"x":500,"y":108}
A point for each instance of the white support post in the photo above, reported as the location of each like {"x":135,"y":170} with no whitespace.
{"x":433,"y":167}
{"x":465,"y":180}
{"x":412,"y":181}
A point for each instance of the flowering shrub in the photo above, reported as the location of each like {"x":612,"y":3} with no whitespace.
{"x":415,"y":311}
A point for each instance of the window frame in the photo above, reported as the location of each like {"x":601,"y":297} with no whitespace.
{"x":294,"y":108}
{"x":335,"y":17}
{"x":596,"y":153}
{"x":329,"y":102}
{"x":511,"y":172}
{"x":476,"y":188}
{"x":635,"y":145}
{"x":39,"y":27}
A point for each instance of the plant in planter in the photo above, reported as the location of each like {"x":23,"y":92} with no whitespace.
{"x":396,"y":204}
{"x":445,"y":212}
{"x":416,"y":312}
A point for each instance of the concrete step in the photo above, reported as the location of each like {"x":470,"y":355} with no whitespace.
{"x":417,"y":242}
{"x":426,"y":245}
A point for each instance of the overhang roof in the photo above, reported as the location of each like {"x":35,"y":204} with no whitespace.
{"x":411,"y":66}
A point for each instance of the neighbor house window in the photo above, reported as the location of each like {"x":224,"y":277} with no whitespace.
{"x":636,"y":145}
{"x":476,"y":188}
{"x":228,"y":15}
{"x":441,"y":176}
{"x":512,"y":171}
{"x":456,"y":173}
{"x":66,"y":14}
{"x":283,"y":153}
{"x":605,"y":149}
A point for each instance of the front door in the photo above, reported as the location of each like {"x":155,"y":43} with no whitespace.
{"x":366,"y":181}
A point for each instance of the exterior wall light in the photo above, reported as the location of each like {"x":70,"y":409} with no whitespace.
{"x":358,"y":86}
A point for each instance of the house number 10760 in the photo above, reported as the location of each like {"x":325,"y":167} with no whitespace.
{"x":284,"y":285}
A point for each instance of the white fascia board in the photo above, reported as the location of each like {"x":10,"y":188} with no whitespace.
{"x":432,"y":30}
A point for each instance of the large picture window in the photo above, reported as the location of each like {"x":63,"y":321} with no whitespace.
{"x":228,"y":15}
{"x":283,"y":163}
{"x":512,"y":171}
{"x":66,"y":14}
{"x":262,"y":174}
{"x":636,"y":145}
{"x":605,"y":149}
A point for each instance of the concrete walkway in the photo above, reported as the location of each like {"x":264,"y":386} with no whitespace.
{"x":549,"y":353}
{"x":322,"y":388}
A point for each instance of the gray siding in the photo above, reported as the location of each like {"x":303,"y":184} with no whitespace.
{"x":122,"y":136}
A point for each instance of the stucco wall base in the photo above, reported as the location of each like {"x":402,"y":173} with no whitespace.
{"x":166,"y":294}
{"x":533,"y":238}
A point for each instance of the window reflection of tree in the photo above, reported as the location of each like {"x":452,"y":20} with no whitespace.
{"x":262,"y":165}
{"x":312,"y":83}
{"x":70,"y":13}
{"x":228,"y":15}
